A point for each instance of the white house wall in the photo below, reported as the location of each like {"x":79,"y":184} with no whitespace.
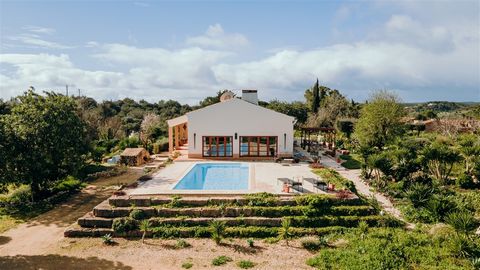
{"x":238,"y":116}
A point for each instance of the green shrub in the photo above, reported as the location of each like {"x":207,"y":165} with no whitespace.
{"x":129,"y":142}
{"x":462,"y":221}
{"x":261,"y":199}
{"x":181,"y":243}
{"x":175,"y":201}
{"x":475,"y":263}
{"x":238,"y":232}
{"x":138,"y":214}
{"x":246,"y":264}
{"x":386,"y":248}
{"x":17,"y":196}
{"x":419,"y":193}
{"x":363,"y":227}
{"x":250,"y":242}
{"x":271,"y":240}
{"x":69,"y":184}
{"x":311,"y":243}
{"x":251,"y":231}
{"x":466,"y":181}
{"x":221,"y":260}
{"x":187,"y":265}
{"x":464,"y":246}
{"x":124,"y":225}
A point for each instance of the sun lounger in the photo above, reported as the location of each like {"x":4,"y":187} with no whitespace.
{"x":318,"y":184}
{"x":296,"y":185}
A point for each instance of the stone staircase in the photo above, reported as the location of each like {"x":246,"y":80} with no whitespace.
{"x":244,"y":216}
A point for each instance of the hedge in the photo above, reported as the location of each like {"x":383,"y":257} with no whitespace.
{"x":240,"y":232}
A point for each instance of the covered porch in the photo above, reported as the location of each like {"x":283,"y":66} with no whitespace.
{"x":178,"y":134}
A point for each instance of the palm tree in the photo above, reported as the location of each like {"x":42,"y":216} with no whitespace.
{"x":144,"y":227}
{"x":285,"y":231}
{"x":218,"y":230}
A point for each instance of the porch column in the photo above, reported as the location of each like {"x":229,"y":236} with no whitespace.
{"x":176,"y":137}
{"x":170,"y":139}
{"x":186,"y":132}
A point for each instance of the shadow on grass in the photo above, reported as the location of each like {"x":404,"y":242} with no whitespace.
{"x":50,"y":262}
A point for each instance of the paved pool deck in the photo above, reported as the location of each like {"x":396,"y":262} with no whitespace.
{"x":263,"y":178}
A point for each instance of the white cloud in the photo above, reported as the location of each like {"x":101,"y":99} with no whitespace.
{"x":38,"y":29}
{"x":32,"y":37}
{"x":404,"y":29}
{"x":407,"y":53}
{"x":92,"y":44}
{"x":215,"y":37}
{"x":36,"y":42}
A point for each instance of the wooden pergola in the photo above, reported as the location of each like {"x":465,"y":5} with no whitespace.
{"x":329,"y":133}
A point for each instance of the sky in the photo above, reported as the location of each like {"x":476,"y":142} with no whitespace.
{"x":187,"y":50}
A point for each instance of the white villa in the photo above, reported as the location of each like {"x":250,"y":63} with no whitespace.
{"x":233,"y":129}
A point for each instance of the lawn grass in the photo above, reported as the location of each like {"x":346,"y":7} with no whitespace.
{"x":333,"y":177}
{"x":8,"y":222}
{"x":351,"y":162}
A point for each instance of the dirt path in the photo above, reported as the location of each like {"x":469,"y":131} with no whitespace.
{"x":39,"y":234}
{"x":363,"y":188}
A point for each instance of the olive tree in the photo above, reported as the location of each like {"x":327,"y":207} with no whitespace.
{"x":380,"y":120}
{"x":48,"y":141}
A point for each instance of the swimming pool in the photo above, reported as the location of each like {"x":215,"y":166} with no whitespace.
{"x":215,"y":176}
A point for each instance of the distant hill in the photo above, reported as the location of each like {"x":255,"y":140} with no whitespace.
{"x":439,"y":106}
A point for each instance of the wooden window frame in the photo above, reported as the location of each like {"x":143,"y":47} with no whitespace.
{"x":258,"y":146}
{"x":216,"y":146}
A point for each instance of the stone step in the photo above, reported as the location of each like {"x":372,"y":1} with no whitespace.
{"x":106,"y":211}
{"x":76,"y":231}
{"x":91,"y":221}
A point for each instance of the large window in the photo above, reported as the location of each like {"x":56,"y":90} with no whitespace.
{"x":217,"y":146}
{"x":258,"y":146}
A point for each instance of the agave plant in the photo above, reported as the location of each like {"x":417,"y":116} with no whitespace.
{"x":107,"y":239}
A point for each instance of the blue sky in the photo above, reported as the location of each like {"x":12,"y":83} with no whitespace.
{"x":186,"y":50}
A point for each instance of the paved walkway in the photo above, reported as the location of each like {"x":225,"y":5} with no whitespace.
{"x":363,"y":188}
{"x":263,"y":177}
{"x":44,"y":232}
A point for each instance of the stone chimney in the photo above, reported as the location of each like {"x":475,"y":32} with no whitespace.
{"x":250,"y":96}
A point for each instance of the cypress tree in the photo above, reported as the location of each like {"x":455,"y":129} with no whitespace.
{"x":316,"y":97}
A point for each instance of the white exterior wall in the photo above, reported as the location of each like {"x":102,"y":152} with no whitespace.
{"x":238,"y":116}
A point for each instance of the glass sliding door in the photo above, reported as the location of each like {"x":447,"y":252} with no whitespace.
{"x":217,"y":146}
{"x":258,"y":146}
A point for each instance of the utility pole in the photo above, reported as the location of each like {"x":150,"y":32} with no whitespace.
{"x":66,"y":88}
{"x":78,"y":92}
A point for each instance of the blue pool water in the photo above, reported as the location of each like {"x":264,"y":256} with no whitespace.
{"x":215,"y":176}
